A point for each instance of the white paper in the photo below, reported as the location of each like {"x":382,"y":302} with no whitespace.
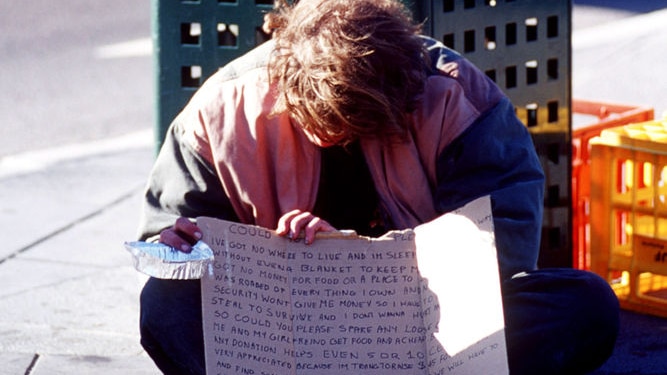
{"x":457,"y":256}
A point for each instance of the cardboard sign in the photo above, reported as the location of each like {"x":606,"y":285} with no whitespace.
{"x":415,"y":301}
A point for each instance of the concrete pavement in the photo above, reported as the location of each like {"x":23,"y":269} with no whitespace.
{"x":69,"y":302}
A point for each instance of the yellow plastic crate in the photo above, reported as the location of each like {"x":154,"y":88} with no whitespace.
{"x":649,"y":135}
{"x":629,"y":213}
{"x":606,"y":115}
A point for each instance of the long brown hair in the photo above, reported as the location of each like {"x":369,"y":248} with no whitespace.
{"x":348,"y":68}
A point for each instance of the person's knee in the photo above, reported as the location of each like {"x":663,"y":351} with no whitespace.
{"x":600,"y":319}
{"x":171,"y":325}
{"x":595,"y":304}
{"x":559,"y":321}
{"x":168,"y":303}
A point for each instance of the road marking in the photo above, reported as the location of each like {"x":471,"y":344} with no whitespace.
{"x":132,"y":48}
{"x":33,"y":161}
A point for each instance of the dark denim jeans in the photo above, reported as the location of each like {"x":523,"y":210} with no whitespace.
{"x":558,"y":321}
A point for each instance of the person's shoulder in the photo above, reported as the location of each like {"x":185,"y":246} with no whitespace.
{"x":449,"y":68}
{"x":438,"y":53}
{"x":256,"y":58}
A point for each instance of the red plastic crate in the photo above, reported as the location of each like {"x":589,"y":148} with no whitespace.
{"x":608,"y":115}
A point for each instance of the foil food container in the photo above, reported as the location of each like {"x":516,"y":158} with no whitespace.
{"x":165,"y":262}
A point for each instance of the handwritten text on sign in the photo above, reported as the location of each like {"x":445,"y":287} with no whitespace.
{"x":345,"y":304}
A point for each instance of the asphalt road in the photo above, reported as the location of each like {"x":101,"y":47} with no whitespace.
{"x":636,"y":6}
{"x":72,"y":71}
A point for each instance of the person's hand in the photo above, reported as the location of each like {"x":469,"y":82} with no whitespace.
{"x":294,"y":222}
{"x":182,"y":235}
